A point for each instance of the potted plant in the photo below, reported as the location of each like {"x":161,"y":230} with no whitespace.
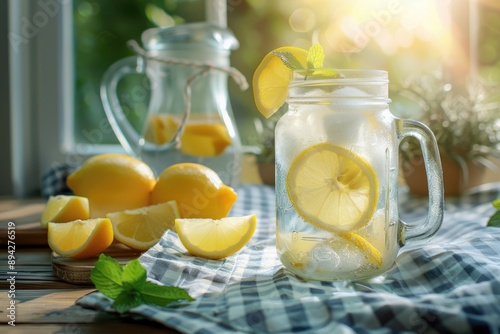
{"x":465,"y":122}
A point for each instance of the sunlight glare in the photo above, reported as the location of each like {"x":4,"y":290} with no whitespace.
{"x":302,"y":20}
{"x":390,"y":24}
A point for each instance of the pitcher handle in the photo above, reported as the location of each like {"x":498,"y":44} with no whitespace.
{"x":432,"y":162}
{"x":124,"y":131}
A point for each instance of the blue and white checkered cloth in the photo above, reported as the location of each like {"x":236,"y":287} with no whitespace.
{"x":450,"y":284}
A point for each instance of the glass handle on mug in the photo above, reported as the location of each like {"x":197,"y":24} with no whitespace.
{"x":433,"y":169}
{"x":123,"y":129}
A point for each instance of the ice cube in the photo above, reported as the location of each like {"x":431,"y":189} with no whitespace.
{"x":323,"y":258}
{"x":349,"y":92}
{"x":350,"y":257}
{"x":297,"y":131}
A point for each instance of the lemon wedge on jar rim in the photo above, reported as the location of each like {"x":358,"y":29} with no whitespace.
{"x":271,"y":79}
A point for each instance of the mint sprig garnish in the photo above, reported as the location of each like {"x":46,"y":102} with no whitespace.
{"x":128,"y":285}
{"x":315,"y":59}
{"x":325,"y":72}
{"x":289,"y":60}
{"x":315,"y":56}
{"x":496,"y":204}
{"x":495,"y":219}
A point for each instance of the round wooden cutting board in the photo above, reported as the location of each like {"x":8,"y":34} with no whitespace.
{"x":77,"y":271}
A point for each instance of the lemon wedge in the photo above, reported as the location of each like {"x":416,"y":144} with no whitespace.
{"x":80,"y":239}
{"x":143,"y":227}
{"x":215,"y":238}
{"x":64,"y":208}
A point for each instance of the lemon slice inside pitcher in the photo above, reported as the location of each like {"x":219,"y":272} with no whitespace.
{"x":201,"y":137}
{"x":332,"y":188}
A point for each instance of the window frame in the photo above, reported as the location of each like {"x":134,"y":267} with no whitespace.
{"x":42,"y":102}
{"x":42,"y":81}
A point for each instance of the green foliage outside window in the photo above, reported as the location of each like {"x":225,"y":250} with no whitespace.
{"x":103,"y":27}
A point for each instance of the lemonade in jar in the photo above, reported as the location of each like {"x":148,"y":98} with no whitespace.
{"x":337,"y":172}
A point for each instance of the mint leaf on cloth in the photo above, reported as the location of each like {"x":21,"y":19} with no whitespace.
{"x":128,"y":286}
{"x":107,"y":276}
{"x":134,"y":274}
{"x":126,"y":300}
{"x":155,"y":294}
{"x":495,"y":218}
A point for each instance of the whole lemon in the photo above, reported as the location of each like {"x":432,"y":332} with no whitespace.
{"x":112,"y":182}
{"x":197,"y":189}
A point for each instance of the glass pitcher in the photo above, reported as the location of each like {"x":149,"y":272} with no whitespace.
{"x":337,"y":177}
{"x":189,"y":118}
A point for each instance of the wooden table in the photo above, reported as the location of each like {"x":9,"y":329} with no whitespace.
{"x":44,"y":303}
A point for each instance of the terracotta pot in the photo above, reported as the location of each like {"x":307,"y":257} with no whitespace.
{"x":454,"y":184}
{"x":267,"y":172}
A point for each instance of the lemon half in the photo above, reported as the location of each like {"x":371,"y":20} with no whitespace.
{"x":112,"y":182}
{"x":197,"y":189}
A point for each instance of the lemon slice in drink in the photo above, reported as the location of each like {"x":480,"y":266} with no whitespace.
{"x":372,"y":254}
{"x":332,"y":188}
{"x":215,"y":238}
{"x":271,"y":79}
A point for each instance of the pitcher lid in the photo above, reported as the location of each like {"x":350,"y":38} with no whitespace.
{"x":189,"y":34}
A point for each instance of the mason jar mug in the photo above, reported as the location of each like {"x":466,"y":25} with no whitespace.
{"x":337,"y":177}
